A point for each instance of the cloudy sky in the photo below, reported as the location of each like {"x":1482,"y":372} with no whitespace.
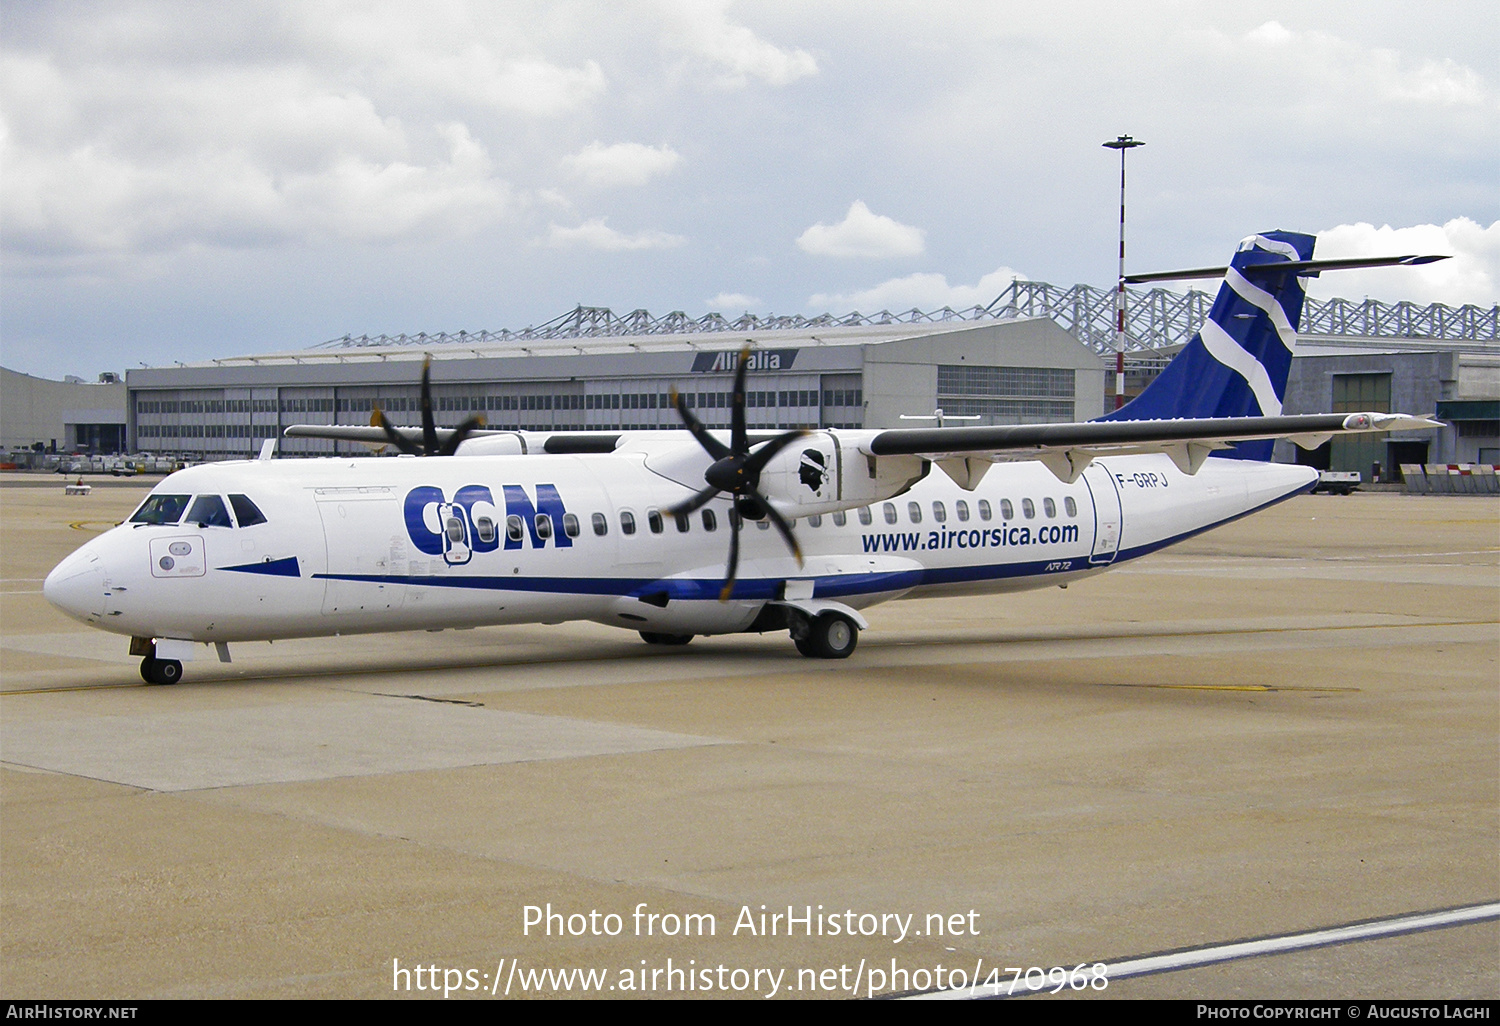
{"x":184,"y":181}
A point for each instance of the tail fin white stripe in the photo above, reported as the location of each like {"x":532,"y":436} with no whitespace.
{"x":1259,"y":297}
{"x":1229,"y":352}
{"x":1286,"y":249}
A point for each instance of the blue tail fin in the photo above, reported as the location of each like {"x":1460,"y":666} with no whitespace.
{"x":1237,"y":365}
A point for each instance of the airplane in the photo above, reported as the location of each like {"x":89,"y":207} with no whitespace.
{"x":471,"y":527}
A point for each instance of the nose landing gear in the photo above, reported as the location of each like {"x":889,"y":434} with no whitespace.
{"x":160,"y":671}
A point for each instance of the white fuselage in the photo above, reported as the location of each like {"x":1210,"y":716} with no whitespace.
{"x":361,"y":545}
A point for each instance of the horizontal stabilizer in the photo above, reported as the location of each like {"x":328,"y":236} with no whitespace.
{"x":1305,"y":268}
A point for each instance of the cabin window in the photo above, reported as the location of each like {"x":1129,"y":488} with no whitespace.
{"x":627,"y":522}
{"x":816,"y":520}
{"x":961,"y":510}
{"x":570,"y":525}
{"x":710,"y":520}
{"x":246,"y":511}
{"x":654,"y":521}
{"x":889,"y":509}
{"x":513,"y":528}
{"x":939,"y":512}
{"x":455,"y":530}
{"x":840,"y":519}
{"x":485,"y":528}
{"x":161,"y":509}
{"x":1028,"y":509}
{"x":914,"y":512}
{"x":601,"y":524}
{"x":209,"y":511}
{"x":763,"y":523}
{"x":984,"y":509}
{"x":1049,"y":507}
{"x":683,"y":522}
{"x":1007,"y":510}
{"x":1070,"y":505}
{"x":543,"y":524}
{"x":864,"y":515}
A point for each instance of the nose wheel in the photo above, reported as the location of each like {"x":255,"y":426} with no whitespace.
{"x":160,"y":671}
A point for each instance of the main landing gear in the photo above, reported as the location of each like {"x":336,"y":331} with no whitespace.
{"x":160,"y":671}
{"x":825,"y":636}
{"x":652,"y":638}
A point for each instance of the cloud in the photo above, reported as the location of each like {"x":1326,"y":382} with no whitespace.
{"x":1472,"y":276}
{"x":595,"y":234}
{"x":726,"y":302}
{"x":862,"y":234}
{"x":603,"y":166}
{"x":702,"y":28}
{"x":923,"y":291}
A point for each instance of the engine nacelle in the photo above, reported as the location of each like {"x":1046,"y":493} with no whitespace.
{"x":826,"y":471}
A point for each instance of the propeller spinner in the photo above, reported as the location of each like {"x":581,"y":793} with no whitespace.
{"x":429,"y":446}
{"x":736,"y":471}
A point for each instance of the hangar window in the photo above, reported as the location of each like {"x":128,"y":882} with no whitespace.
{"x":245,"y":511}
{"x":961,"y":510}
{"x":513,"y":528}
{"x":889,"y":509}
{"x":1007,"y":510}
{"x":984,"y":509}
{"x":627,"y":522}
{"x":209,"y":511}
{"x":864,"y":515}
{"x":1050,"y":508}
{"x":1070,"y":505}
{"x":570,"y":525}
{"x":1028,"y":509}
{"x":710,"y":520}
{"x":601,"y":524}
{"x":161,"y":509}
{"x":939,"y":512}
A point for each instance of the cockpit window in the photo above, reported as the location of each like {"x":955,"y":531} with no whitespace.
{"x":161,"y":509}
{"x":209,"y":511}
{"x":245,"y":511}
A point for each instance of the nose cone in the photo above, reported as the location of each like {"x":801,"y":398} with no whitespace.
{"x":76,"y":586}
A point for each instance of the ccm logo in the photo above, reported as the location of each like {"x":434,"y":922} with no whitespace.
{"x":473,"y":522}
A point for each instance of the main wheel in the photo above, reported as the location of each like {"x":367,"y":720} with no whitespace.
{"x":160,"y":671}
{"x":652,"y":638}
{"x":829,"y":636}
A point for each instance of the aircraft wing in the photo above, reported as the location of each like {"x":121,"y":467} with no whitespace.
{"x":1066,"y":449}
{"x":517,"y":441}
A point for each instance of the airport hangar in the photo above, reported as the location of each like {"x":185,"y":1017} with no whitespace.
{"x":1037,"y":354}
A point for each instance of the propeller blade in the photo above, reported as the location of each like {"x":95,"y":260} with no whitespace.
{"x":396,"y":438}
{"x":760,"y":457}
{"x":738,"y":439}
{"x":464,"y":430}
{"x":779,"y":520}
{"x":429,"y":428}
{"x":692,"y":505}
{"x":732,"y":570}
{"x":715,"y":448}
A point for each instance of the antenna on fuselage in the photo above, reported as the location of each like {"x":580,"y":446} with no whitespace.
{"x":267,"y":448}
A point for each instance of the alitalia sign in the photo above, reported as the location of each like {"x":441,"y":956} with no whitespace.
{"x":760,"y":360}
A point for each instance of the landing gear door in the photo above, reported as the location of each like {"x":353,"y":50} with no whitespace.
{"x":1107,"y":514}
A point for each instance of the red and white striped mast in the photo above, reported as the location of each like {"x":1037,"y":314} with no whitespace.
{"x":1122,"y":144}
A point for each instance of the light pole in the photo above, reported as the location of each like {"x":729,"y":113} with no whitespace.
{"x":1122,"y":144}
